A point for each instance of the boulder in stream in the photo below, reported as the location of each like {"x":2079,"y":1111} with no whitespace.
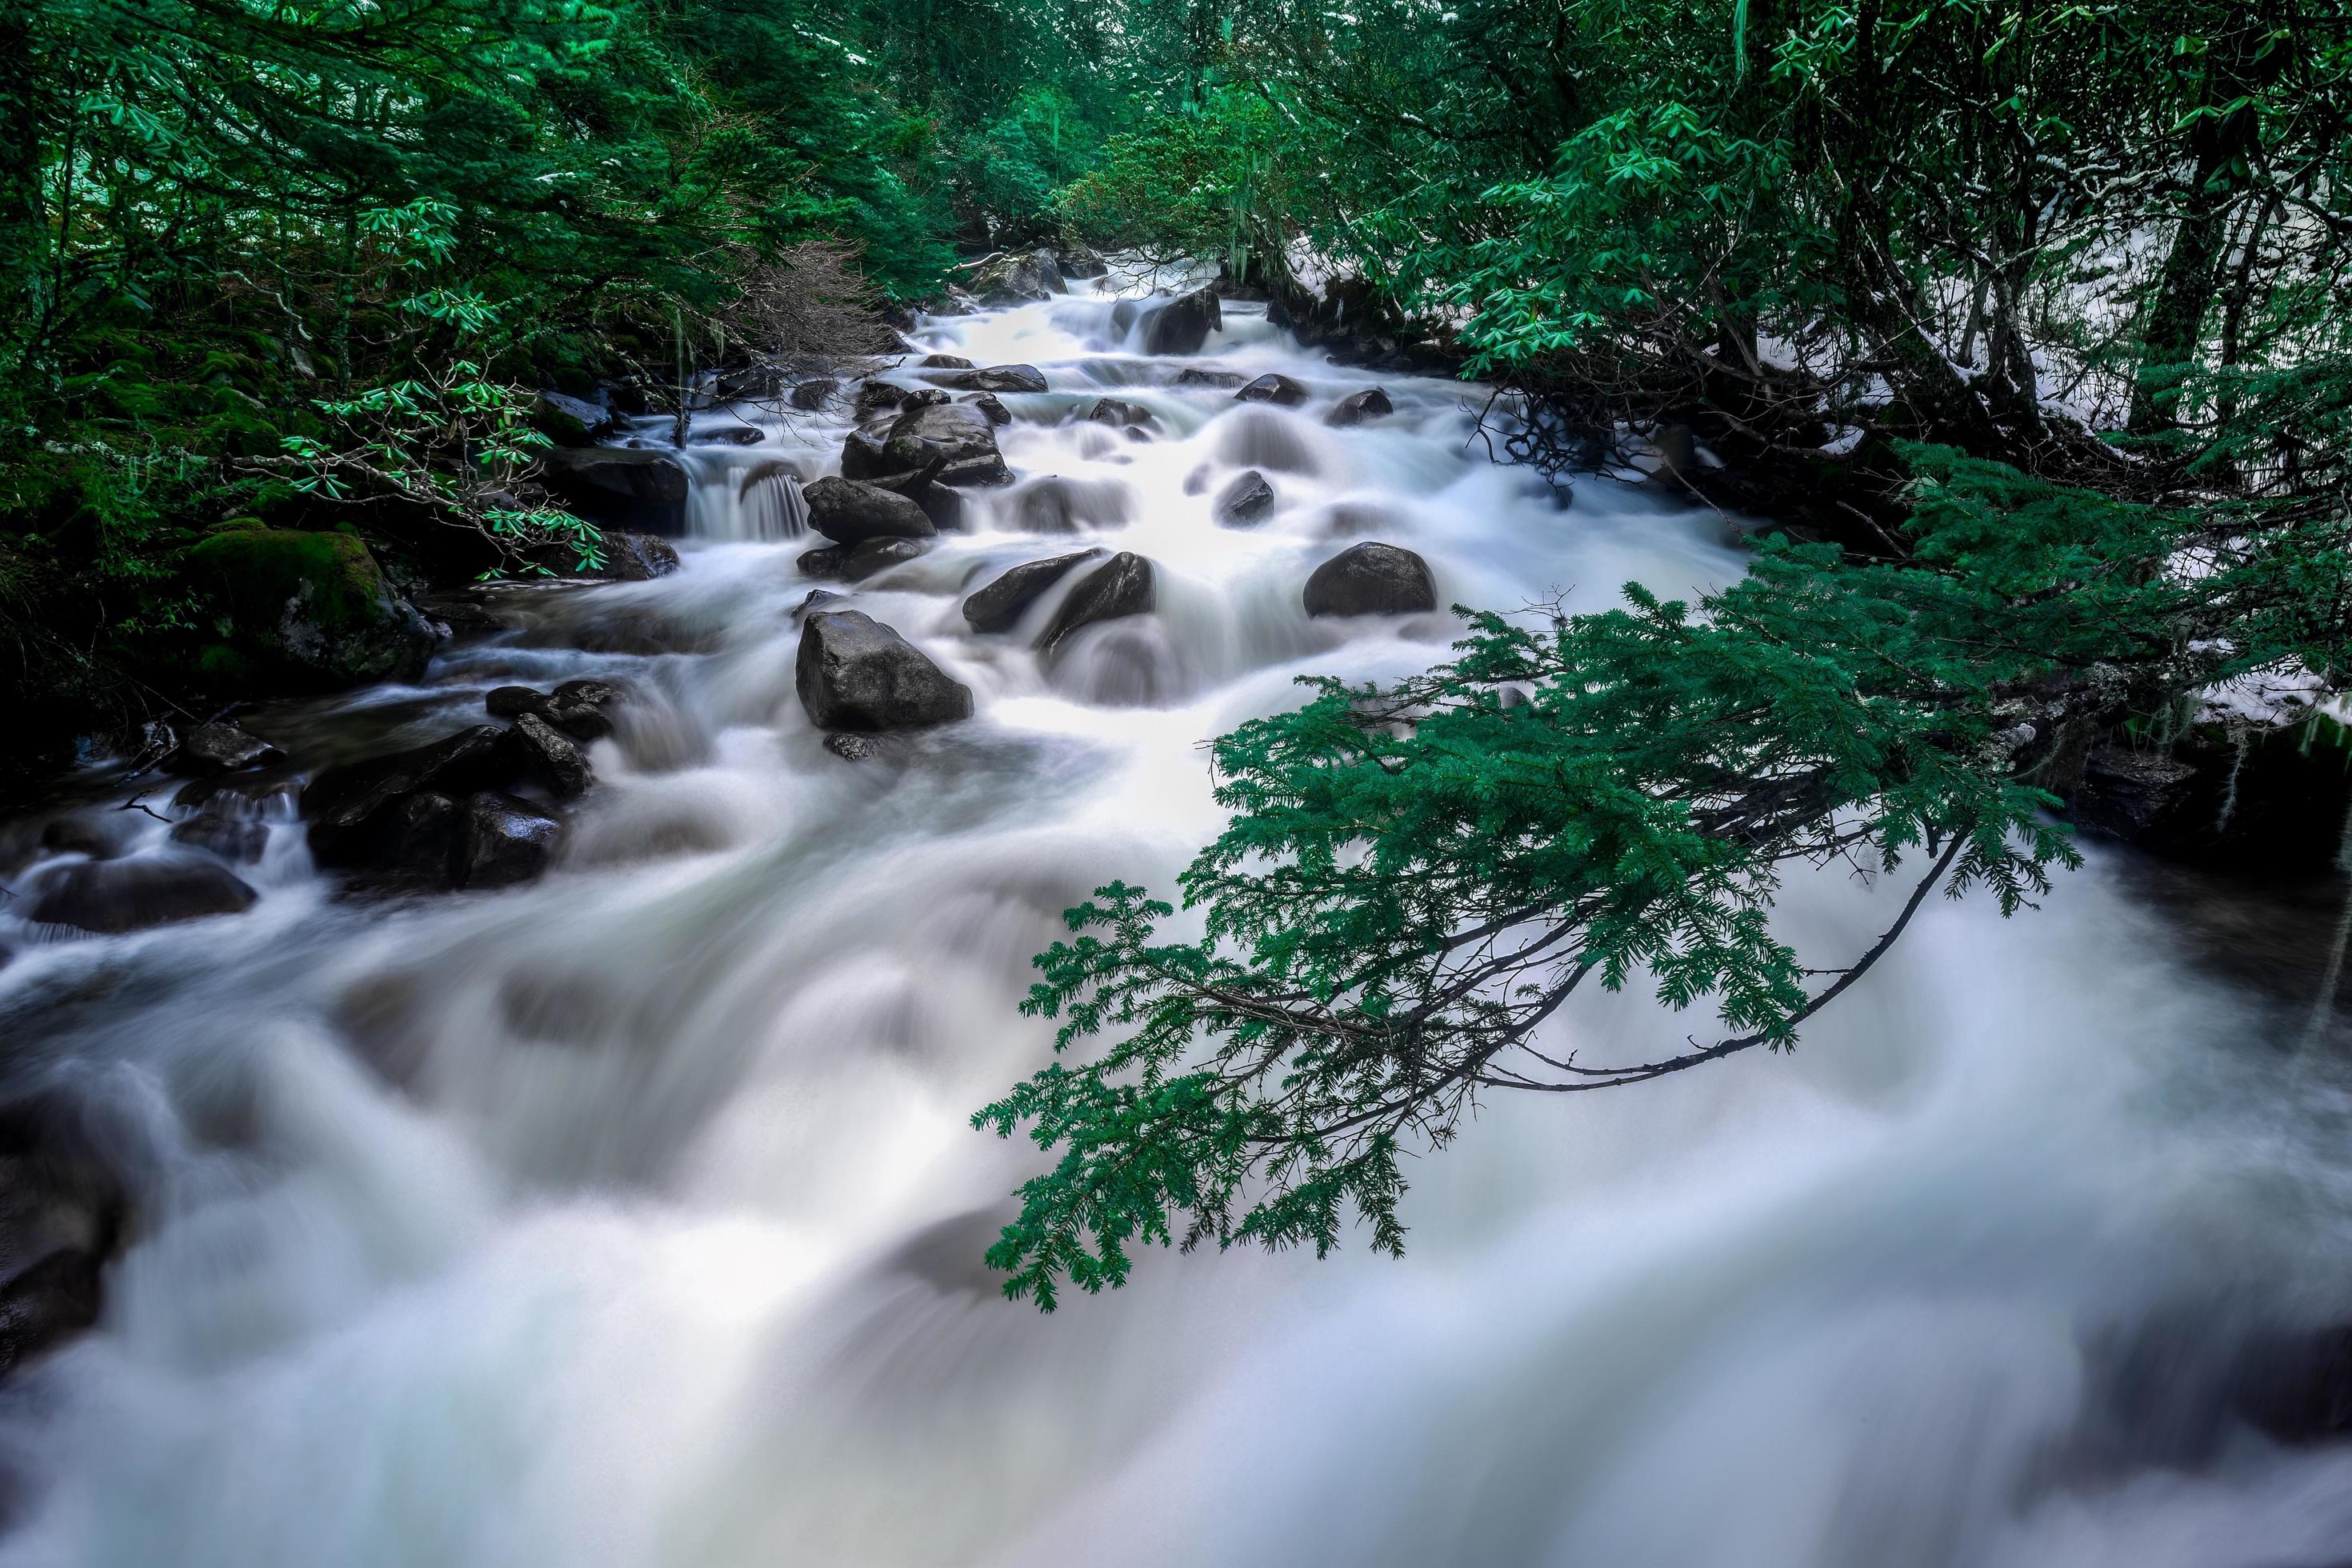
{"x":308,"y":610}
{"x":1199,"y":375}
{"x":501,"y":841}
{"x":999,"y":606}
{"x":855,"y":673}
{"x":62,"y":1209}
{"x":943,"y":361}
{"x":998,"y":378}
{"x":237,"y":840}
{"x":855,"y":562}
{"x":1273,"y":387}
{"x":955,"y":434}
{"x":1246,"y":501}
{"x":569,"y":421}
{"x":1184,"y":324}
{"x":1014,"y":278}
{"x":1372,"y":579}
{"x":547,"y":755}
{"x":848,"y":511}
{"x":351,"y":807}
{"x":1118,"y":412}
{"x":1360,"y":407}
{"x":112,"y":897}
{"x":210,"y":749}
{"x":990,"y":406}
{"x":1122,"y":585}
{"x":632,"y":487}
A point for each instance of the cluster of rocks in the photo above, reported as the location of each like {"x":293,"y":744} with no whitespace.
{"x":441,"y":814}
{"x":1024,"y":276}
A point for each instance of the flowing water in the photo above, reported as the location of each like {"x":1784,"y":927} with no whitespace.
{"x":633,"y":1218}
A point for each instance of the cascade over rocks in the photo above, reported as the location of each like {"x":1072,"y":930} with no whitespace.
{"x":1246,"y":501}
{"x":848,"y":511}
{"x":210,"y":749}
{"x":581,"y":708}
{"x":1122,"y":585}
{"x":855,"y":673}
{"x":1273,"y":387}
{"x":632,"y":487}
{"x":110,"y":897}
{"x":1360,"y":407}
{"x":1001,"y":604}
{"x":1372,"y":579}
{"x":998,"y":378}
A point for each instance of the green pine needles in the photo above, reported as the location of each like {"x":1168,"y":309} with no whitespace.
{"x":1416,"y":877}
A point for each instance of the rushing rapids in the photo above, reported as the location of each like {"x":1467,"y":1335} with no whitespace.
{"x":631,"y":1218}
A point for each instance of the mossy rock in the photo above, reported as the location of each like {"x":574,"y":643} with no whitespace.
{"x":303,"y":610}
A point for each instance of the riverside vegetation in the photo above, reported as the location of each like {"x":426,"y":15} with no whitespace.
{"x":2025,"y":327}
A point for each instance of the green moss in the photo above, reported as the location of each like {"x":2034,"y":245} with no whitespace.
{"x":300,"y":608}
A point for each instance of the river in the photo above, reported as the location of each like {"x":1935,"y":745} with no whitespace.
{"x":633,"y":1218}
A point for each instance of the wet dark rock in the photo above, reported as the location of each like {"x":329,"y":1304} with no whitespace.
{"x":1118,"y":412}
{"x":852,"y":747}
{"x":210,"y":749}
{"x":1358,"y":407}
{"x":1122,"y":585}
{"x":239,"y":841}
{"x":1076,"y":261}
{"x":307,"y":610}
{"x":1015,"y":278}
{"x":812,"y":394}
{"x":638,"y":557}
{"x":944,"y":506}
{"x":817,"y":596}
{"x":1275,"y":388}
{"x":925,"y":397}
{"x":1182,"y":324}
{"x":1371,"y":580}
{"x":877,"y":396}
{"x":503,"y":841}
{"x":349,"y":805}
{"x":112,"y":897}
{"x":62,"y":1210}
{"x":630,"y":488}
{"x":733,"y":436}
{"x":548,"y":755}
{"x":417,"y":839}
{"x":1246,"y":501}
{"x":1224,"y":380}
{"x":570,"y":421}
{"x":989,"y":405}
{"x":944,"y":362}
{"x":2130,"y":795}
{"x":999,"y":378}
{"x":855,"y":673}
{"x":583,"y":709}
{"x":955,"y":436}
{"x":513,"y":701}
{"x":848,"y":511}
{"x":100,"y":835}
{"x":854,"y":563}
{"x":1001,"y":604}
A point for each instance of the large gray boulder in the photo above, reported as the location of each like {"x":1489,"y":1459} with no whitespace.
{"x":1372,"y":579}
{"x":849,"y":511}
{"x":998,"y":378}
{"x":110,"y":897}
{"x":1273,"y":387}
{"x":209,"y":749}
{"x":998,"y":606}
{"x":1246,"y":501}
{"x":1182,"y":324}
{"x":1359,"y":408}
{"x":956,"y":434}
{"x":619,"y":486}
{"x":855,"y":673}
{"x":1122,"y":585}
{"x":1014,"y":278}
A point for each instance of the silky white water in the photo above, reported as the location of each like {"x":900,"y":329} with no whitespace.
{"x":633,"y":1218}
